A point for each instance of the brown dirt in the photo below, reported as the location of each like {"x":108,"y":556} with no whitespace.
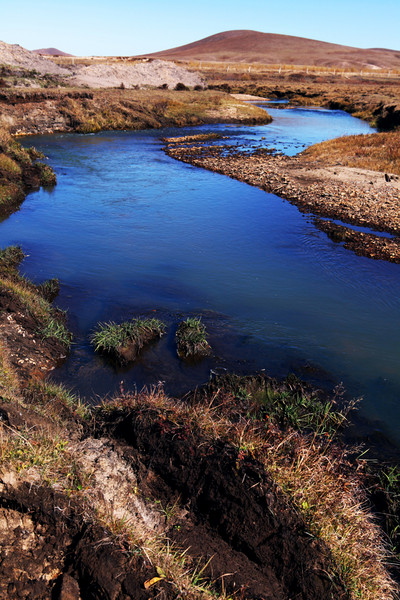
{"x":355,"y":196}
{"x":50,"y":550}
{"x":27,"y":351}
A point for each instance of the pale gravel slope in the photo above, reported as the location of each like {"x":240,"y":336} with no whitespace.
{"x":155,"y":73}
{"x":13,"y":54}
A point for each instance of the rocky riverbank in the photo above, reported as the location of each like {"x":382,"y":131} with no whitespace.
{"x":355,"y":196}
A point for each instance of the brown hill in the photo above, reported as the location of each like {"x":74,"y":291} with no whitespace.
{"x":51,"y":52}
{"x":271,"y":48}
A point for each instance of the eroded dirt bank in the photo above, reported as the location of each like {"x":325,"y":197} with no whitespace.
{"x":47,"y":111}
{"x":356,"y":196}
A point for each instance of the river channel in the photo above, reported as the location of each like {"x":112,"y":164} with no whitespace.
{"x":129,"y":231}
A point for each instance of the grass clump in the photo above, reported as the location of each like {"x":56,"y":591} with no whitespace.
{"x":55,"y":329}
{"x":10,"y":258}
{"x":289,"y":403}
{"x":191,"y":338}
{"x":47,"y":176}
{"x":124,"y":341}
{"x":49,"y":289}
{"x":9,"y":167}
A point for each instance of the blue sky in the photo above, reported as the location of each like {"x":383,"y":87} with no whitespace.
{"x":123,"y":27}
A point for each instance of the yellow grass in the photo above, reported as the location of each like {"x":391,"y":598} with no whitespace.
{"x":376,"y":151}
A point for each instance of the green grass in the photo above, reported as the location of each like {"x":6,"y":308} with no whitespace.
{"x":56,"y":329}
{"x":291,"y":404}
{"x":55,"y":402}
{"x":191,"y":338}
{"x":109,"y":337}
{"x":49,"y":289}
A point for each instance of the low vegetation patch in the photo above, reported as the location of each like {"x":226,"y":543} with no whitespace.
{"x":49,"y":289}
{"x":375,"y":151}
{"x":124,"y":341}
{"x":56,"y":329}
{"x":191,"y":339}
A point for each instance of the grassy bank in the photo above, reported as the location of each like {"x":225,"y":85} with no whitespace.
{"x":115,"y":109}
{"x":33,"y":334}
{"x":21,"y":171}
{"x":376,"y":152}
{"x":374,"y":99}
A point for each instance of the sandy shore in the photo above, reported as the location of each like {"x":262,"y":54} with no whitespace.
{"x":354,"y":196}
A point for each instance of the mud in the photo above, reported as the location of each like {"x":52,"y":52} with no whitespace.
{"x":354,"y":196}
{"x":362,"y":244}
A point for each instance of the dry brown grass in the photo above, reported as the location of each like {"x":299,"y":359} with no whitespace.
{"x":376,"y":151}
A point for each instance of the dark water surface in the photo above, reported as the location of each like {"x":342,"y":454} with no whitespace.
{"x":130,"y":231}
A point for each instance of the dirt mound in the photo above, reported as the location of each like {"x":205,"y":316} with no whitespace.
{"x":270,"y":48}
{"x":13,"y":54}
{"x":155,"y":73}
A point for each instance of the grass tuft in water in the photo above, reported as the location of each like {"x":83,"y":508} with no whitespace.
{"x":191,"y":338}
{"x":114,"y":339}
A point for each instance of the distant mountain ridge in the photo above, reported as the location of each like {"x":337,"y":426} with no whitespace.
{"x":272,"y":48}
{"x":51,"y":52}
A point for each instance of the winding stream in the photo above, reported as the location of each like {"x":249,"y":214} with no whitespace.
{"x":130,"y":231}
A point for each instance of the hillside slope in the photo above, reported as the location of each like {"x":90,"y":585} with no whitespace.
{"x":271,"y":48}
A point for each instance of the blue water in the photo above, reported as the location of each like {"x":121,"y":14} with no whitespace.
{"x":130,"y":231}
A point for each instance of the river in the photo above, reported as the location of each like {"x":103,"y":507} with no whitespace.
{"x":129,"y":231}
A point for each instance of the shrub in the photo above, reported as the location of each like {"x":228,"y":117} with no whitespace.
{"x":180,"y":87}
